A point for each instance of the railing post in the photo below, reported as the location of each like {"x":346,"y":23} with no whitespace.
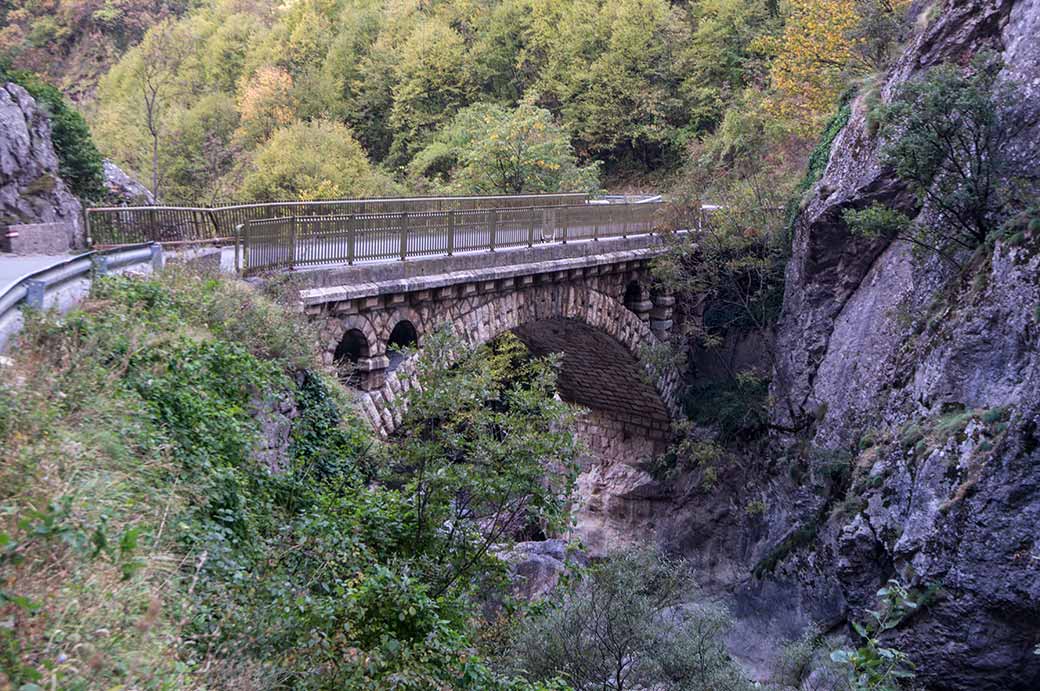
{"x":404,"y":235}
{"x":238,"y":257}
{"x":451,"y":232}
{"x":157,"y":257}
{"x":566,"y":222}
{"x":492,"y":229}
{"x":292,"y":242}
{"x":530,"y":227}
{"x":351,"y":238}
{"x":595,"y":227}
{"x":86,"y":227}
{"x":35,"y":290}
{"x":624,"y":215}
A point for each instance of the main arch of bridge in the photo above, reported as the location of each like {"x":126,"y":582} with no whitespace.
{"x":599,"y":311}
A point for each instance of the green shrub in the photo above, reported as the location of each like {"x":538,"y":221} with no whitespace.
{"x":876,"y":221}
{"x":737,"y":407}
{"x":819,"y":158}
{"x":872,"y":666}
{"x":622,"y":625}
{"x":143,"y":428}
{"x":80,"y":162}
{"x":951,"y":139}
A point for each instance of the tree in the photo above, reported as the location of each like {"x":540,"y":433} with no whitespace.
{"x":432,"y":83}
{"x":155,"y":75}
{"x":306,"y":158}
{"x":823,"y":45}
{"x":265,"y":102}
{"x":719,"y":61}
{"x":138,"y":98}
{"x":479,"y":458}
{"x":608,"y":70}
{"x":488,"y":149}
{"x":623,"y":626}
{"x":202,"y":158}
{"x":949,"y":139}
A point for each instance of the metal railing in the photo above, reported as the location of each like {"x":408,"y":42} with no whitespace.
{"x":119,"y":225}
{"x":46,"y":288}
{"x":298,"y":241}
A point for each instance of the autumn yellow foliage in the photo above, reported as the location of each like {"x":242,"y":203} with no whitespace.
{"x":265,"y":102}
{"x":822,"y":46}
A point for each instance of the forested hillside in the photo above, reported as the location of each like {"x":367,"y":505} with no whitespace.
{"x":72,"y":43}
{"x":320,"y":98}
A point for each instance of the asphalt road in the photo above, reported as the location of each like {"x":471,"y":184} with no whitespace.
{"x":14,"y":267}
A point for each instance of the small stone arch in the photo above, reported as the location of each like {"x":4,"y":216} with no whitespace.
{"x":352,"y":346}
{"x":634,"y":292}
{"x":404,"y":314}
{"x":355,"y":322}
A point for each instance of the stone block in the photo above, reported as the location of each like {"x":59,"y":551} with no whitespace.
{"x":37,"y":238}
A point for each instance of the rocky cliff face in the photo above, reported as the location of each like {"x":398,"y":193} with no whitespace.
{"x":31,"y":190}
{"x":921,"y":389}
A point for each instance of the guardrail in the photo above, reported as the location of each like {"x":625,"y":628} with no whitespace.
{"x":63,"y":284}
{"x":119,"y":225}
{"x":298,"y":241}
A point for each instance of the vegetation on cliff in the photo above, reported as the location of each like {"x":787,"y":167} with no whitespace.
{"x":189,"y":501}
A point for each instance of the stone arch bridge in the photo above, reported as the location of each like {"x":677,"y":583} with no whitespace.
{"x":594,"y":302}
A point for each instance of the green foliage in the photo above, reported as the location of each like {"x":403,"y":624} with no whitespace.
{"x":80,"y":164}
{"x":215,"y":553}
{"x":872,"y":666}
{"x":432,"y":83}
{"x":312,"y":160}
{"x":819,"y":158}
{"x":488,"y":149}
{"x":623,"y":625}
{"x":720,"y":59}
{"x":473,"y":456}
{"x":950,"y":139}
{"x":877,"y":221}
{"x":736,"y":407}
{"x":629,"y":85}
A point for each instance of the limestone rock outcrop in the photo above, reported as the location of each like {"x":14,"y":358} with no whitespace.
{"x":917,"y":392}
{"x":123,"y":189}
{"x":31,"y":188}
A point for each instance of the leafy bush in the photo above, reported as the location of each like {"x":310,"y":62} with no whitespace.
{"x":488,"y":149}
{"x":623,"y":626}
{"x":950,"y":138}
{"x":473,"y":454}
{"x":737,"y":407}
{"x":312,"y":160}
{"x":144,"y":430}
{"x":80,"y":163}
{"x":873,"y":666}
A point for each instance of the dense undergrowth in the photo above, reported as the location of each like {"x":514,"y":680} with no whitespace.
{"x":143,"y":545}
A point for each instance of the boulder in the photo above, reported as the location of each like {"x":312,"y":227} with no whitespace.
{"x":31,"y":188}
